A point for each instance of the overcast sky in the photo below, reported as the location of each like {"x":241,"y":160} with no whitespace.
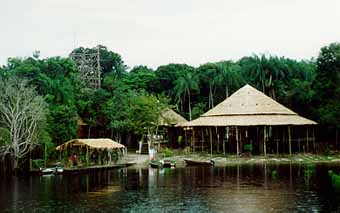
{"x":156,"y":32}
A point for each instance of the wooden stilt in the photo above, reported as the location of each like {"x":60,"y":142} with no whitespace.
{"x":289,"y":141}
{"x":185,"y":136}
{"x":217,"y":140}
{"x":283,"y":141}
{"x":237,"y":147}
{"x":240,"y":140}
{"x":307,"y":140}
{"x":202,"y":133}
{"x":211,"y":140}
{"x":87,"y":155}
{"x":227,"y":133}
{"x":264,"y":140}
{"x":193,"y":138}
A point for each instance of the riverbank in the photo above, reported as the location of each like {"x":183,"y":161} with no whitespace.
{"x":221,"y":160}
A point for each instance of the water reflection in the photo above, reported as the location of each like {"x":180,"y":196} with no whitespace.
{"x":246,"y":188}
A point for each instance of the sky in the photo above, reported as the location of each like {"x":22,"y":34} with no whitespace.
{"x":158,"y":32}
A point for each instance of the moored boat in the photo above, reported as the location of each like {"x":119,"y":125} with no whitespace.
{"x":190,"y":162}
{"x":162,"y":163}
{"x":155,"y":164}
{"x":169,"y":163}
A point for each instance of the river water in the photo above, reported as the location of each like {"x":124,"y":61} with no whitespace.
{"x":243,"y":188}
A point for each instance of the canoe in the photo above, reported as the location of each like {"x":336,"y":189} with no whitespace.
{"x":169,"y":163}
{"x":155,"y":164}
{"x":190,"y":162}
{"x":162,"y":164}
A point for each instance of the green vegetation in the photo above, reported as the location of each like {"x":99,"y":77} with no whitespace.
{"x":129,"y":102}
{"x":335,"y":178}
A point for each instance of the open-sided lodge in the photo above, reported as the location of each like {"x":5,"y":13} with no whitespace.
{"x":86,"y":152}
{"x":250,"y":122}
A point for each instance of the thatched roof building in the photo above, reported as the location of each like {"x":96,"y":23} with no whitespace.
{"x":249,"y":107}
{"x":170,"y":117}
{"x":248,"y":116}
{"x":101,"y":143}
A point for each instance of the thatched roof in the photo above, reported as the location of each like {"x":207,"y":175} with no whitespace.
{"x":170,"y":117}
{"x":249,"y":107}
{"x":100,"y":143}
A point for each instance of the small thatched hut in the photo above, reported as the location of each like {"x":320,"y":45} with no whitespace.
{"x":250,"y":119}
{"x":91,"y":151}
{"x":169,"y":122}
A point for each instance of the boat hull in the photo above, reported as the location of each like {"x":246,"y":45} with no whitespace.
{"x":198,"y":163}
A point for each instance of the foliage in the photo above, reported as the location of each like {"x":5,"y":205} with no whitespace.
{"x":327,"y":87}
{"x":131,"y":102}
{"x":22,"y":115}
{"x":166,"y":152}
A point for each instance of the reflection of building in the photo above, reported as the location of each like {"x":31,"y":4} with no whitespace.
{"x":250,"y":121}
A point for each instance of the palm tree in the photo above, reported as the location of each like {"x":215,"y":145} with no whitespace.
{"x":184,"y":84}
{"x":265,"y":71}
{"x":228,"y":75}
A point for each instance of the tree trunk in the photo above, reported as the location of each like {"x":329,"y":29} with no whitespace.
{"x":226,"y":91}
{"x":211,"y":96}
{"x":211,"y":140}
{"x":15,"y":164}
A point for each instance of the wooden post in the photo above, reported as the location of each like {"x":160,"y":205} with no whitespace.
{"x":240,"y":139}
{"x":289,"y":141}
{"x":264,"y":140}
{"x":193,"y":138}
{"x":227,"y":133}
{"x":307,"y":140}
{"x":217,"y":140}
{"x":185,"y":136}
{"x":210,"y":133}
{"x":87,"y":155}
{"x":202,"y":134}
{"x":237,"y":148}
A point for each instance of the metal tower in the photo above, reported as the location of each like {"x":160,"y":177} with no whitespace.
{"x":88,"y":64}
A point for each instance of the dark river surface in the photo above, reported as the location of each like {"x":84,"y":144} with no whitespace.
{"x":243,"y":188}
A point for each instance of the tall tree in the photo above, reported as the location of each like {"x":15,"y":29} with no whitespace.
{"x":228,"y":76}
{"x":327,"y":87}
{"x":208,"y":74}
{"x":22,"y":116}
{"x":184,"y":85}
{"x":264,"y":72}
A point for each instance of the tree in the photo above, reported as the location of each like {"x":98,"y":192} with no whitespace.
{"x":228,"y":76}
{"x":144,"y":113}
{"x":263,"y":72}
{"x":184,"y":85}
{"x":110,"y":61}
{"x":140,"y":78}
{"x":208,"y":74}
{"x":22,"y":116}
{"x":326,"y":85}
